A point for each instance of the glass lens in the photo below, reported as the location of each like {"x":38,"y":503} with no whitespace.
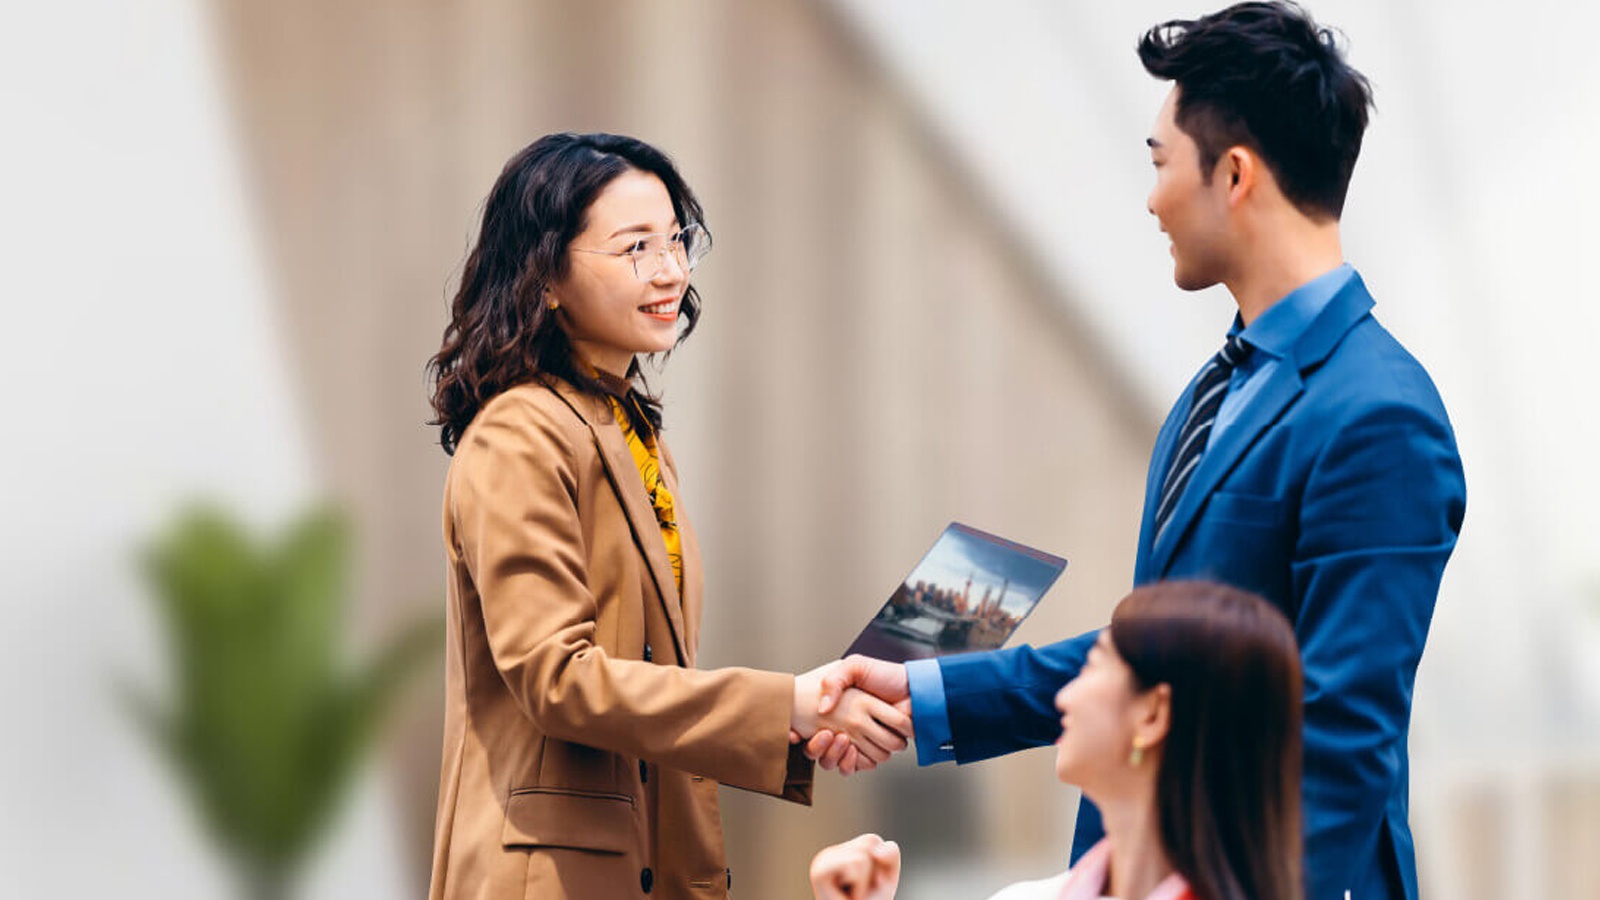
{"x":687,"y":247}
{"x":696,"y":244}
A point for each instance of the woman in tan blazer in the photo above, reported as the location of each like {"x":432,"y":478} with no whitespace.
{"x":582,"y":749}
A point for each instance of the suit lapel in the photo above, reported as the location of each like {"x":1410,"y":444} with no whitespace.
{"x":1286,"y":383}
{"x":629,"y":486}
{"x":1160,"y":461}
{"x":1220,"y":458}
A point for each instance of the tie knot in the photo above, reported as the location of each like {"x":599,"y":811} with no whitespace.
{"x":1234,"y":351}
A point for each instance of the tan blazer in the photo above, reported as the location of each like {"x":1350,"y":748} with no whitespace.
{"x":582,"y":750}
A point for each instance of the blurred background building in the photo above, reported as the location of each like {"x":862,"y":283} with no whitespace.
{"x":230,"y":230}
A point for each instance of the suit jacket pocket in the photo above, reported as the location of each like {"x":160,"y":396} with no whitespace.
{"x":1245,"y":509}
{"x":560,"y":817}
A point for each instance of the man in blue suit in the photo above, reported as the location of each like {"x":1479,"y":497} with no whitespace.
{"x":1310,"y":461}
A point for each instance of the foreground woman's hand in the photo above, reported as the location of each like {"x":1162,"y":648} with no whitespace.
{"x":866,"y":868}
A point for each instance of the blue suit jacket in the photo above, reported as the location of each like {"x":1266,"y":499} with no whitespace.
{"x":1337,"y":494}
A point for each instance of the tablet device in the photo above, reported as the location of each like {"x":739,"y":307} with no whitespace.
{"x":970,"y":592}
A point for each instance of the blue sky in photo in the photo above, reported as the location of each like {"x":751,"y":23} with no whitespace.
{"x":958,"y":555}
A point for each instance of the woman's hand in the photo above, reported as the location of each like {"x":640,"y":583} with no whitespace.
{"x":866,"y":868}
{"x":875,"y":729}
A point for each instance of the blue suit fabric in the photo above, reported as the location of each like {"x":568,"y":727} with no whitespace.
{"x":1337,"y":494}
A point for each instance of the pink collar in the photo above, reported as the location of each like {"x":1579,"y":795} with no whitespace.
{"x":1087,"y":880}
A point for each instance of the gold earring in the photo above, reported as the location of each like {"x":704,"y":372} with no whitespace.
{"x":1137,"y":756}
{"x":554,"y":305}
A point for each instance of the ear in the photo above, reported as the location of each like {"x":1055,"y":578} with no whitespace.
{"x":1154,"y":716}
{"x":1239,"y":169}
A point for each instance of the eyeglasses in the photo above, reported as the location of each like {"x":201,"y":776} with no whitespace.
{"x":648,"y":252}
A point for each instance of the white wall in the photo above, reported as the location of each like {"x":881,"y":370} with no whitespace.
{"x":143,"y":368}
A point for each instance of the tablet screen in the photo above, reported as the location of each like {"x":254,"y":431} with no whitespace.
{"x":970,"y":592}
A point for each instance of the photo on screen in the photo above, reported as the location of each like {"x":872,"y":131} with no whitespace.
{"x":970,"y":592}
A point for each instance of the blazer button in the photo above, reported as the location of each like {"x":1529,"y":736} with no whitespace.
{"x":647,"y":879}
{"x":647,"y":654}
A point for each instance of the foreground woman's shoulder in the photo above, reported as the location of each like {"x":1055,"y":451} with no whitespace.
{"x":529,"y":418}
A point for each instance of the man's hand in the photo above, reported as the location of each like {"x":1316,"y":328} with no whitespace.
{"x":885,"y":680}
{"x":867,"y":728}
{"x":867,"y":868}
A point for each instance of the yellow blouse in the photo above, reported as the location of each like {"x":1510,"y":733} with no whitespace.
{"x":647,"y":456}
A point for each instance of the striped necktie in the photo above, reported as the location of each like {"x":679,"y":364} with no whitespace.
{"x":1208,"y":393}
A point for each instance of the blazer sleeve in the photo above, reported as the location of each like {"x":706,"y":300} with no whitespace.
{"x":1000,"y":701}
{"x":1382,"y":507}
{"x":517,"y":527}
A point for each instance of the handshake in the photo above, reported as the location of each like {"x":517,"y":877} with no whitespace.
{"x":852,"y":714}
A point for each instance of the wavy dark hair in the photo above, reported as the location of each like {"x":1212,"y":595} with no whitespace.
{"x":501,"y":334}
{"x":1268,"y":77}
{"x":1228,"y":791}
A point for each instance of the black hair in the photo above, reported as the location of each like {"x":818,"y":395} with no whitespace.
{"x":1264,"y":75}
{"x":501,"y":332}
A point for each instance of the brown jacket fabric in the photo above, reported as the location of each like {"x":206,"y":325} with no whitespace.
{"x":582,"y":750}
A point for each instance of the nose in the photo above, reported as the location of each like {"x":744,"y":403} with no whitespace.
{"x":669,"y":268}
{"x":1061,"y":698}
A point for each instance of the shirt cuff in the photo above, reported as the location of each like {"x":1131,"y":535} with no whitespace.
{"x":930,"y":720}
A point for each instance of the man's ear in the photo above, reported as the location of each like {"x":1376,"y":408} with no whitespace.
{"x":1240,"y":168}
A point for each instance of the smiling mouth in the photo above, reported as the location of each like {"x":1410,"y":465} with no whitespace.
{"x":661,"y":310}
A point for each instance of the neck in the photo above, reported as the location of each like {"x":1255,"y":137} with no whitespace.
{"x":600,"y":358}
{"x":1133,"y":831}
{"x":1290,"y":250}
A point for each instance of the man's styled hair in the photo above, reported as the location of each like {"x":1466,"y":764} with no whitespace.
{"x":1264,"y":75}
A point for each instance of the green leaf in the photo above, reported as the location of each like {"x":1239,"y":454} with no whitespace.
{"x":268,"y":718}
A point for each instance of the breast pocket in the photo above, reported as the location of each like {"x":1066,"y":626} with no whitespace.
{"x":1246,"y":509}
{"x":1244,"y":540}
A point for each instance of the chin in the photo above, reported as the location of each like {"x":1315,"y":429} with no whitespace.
{"x":1064,"y":767}
{"x":1189,"y":281}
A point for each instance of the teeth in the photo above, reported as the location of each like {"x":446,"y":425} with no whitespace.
{"x":660,"y":307}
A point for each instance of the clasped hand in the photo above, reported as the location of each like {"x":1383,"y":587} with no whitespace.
{"x":853,"y":714}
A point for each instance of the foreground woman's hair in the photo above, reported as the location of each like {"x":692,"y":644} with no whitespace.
{"x":1228,"y":792}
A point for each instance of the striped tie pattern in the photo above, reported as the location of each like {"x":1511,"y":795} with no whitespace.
{"x":1209,"y":391}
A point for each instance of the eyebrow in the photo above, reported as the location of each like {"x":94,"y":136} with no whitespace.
{"x":638,"y":228}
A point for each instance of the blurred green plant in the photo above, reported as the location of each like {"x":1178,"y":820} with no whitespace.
{"x":267,"y":717}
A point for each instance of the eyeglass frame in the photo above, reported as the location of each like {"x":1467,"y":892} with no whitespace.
{"x":676,"y":238}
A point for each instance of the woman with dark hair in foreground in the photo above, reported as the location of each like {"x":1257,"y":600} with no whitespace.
{"x":1184,"y":727}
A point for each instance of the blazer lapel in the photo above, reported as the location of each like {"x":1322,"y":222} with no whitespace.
{"x":693,"y":576}
{"x":625,"y":480}
{"x":1287,"y":381}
